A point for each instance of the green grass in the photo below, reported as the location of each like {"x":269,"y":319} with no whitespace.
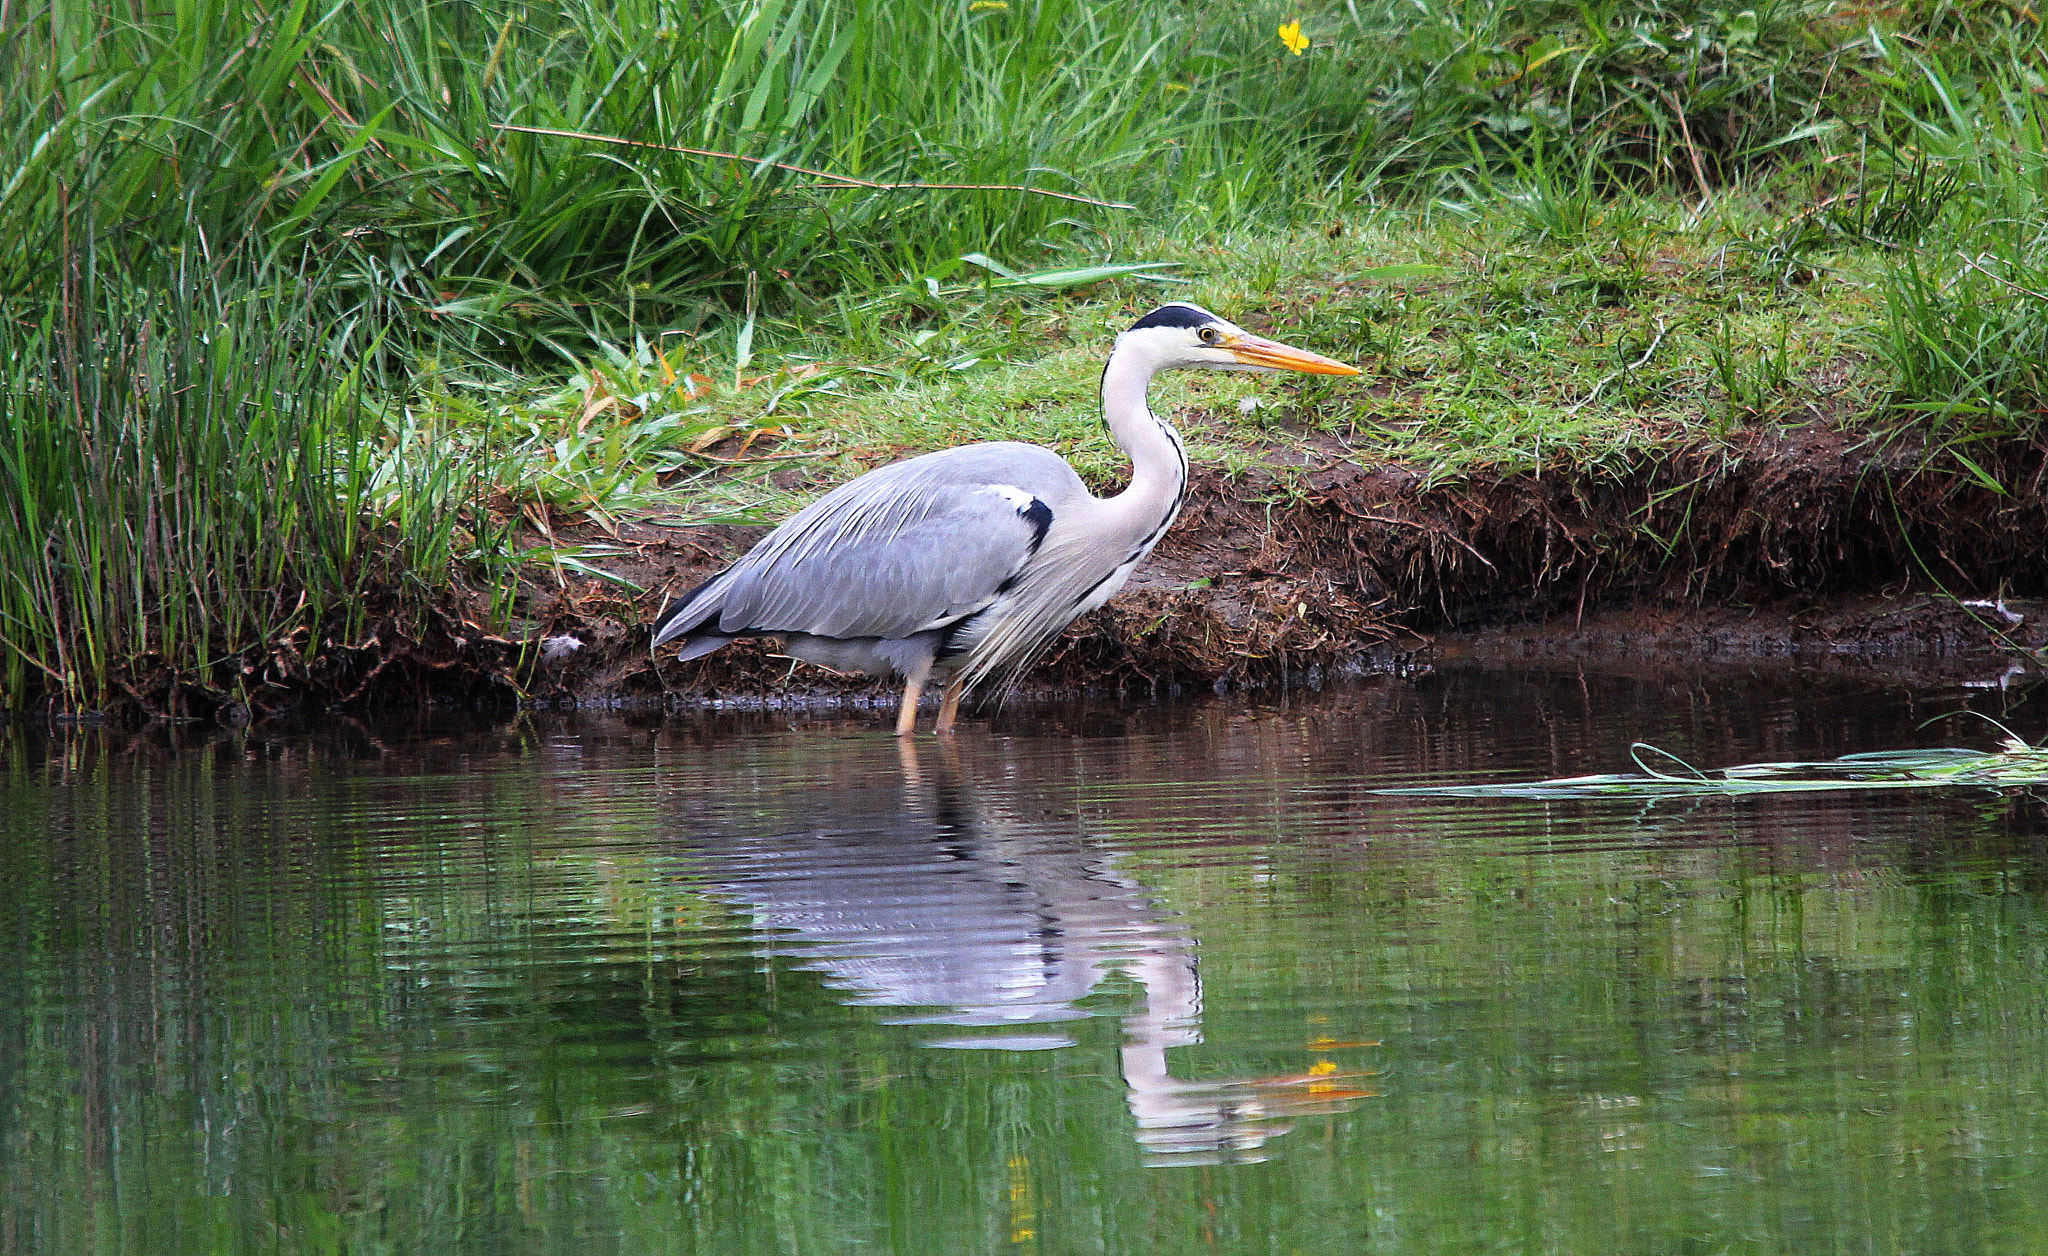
{"x":368,"y":137}
{"x":1555,"y":235}
{"x":1484,"y":350}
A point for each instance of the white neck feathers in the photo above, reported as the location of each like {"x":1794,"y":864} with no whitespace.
{"x":1159,"y":463}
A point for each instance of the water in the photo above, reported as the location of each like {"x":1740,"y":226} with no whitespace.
{"x":1119,"y":978}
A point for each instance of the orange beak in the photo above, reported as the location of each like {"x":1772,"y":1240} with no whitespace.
{"x":1258,"y":351}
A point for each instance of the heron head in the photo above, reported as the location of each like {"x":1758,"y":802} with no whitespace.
{"x":1181,"y":334}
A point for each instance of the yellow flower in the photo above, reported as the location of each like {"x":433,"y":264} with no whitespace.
{"x":1291,"y":36}
{"x":989,"y":6}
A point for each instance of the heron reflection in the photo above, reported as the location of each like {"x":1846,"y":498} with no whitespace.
{"x":925,"y":891}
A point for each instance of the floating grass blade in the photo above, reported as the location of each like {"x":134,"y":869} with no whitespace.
{"x":2016,"y":764}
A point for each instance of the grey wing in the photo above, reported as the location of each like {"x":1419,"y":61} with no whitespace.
{"x":901,"y":550}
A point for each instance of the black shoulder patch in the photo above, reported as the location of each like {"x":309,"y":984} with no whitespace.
{"x":1176,"y":314}
{"x":1039,"y":516}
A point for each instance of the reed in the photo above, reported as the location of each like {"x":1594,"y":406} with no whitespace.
{"x":192,"y":483}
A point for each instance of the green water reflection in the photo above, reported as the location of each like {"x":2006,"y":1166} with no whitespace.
{"x":1170,"y":980}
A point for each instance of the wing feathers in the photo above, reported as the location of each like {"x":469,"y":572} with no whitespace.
{"x":903,"y":549}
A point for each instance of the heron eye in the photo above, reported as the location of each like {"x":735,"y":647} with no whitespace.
{"x":1211,"y":336}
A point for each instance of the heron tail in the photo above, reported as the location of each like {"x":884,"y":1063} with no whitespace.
{"x":683,"y":617}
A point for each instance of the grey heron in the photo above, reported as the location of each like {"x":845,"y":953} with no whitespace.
{"x":957,"y":566}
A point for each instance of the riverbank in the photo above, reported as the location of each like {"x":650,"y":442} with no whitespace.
{"x":1451,"y":502}
{"x":1799,"y":546}
{"x":1796,"y":547}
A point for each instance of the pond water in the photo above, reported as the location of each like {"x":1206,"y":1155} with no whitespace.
{"x":1116,"y":977}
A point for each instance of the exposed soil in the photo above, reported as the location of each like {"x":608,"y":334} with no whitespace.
{"x":1796,"y":545}
{"x":1801,"y":547}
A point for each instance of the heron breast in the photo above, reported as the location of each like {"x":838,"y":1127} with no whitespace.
{"x":1109,"y":586}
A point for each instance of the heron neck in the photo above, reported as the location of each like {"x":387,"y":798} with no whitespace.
{"x":1159,"y":464}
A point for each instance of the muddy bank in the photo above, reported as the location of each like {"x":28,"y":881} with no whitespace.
{"x":1803,"y":546}
{"x":1800,"y":547}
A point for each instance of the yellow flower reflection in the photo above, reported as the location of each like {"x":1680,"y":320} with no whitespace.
{"x":1291,"y":36}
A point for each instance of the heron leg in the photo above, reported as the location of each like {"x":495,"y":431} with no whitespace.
{"x":906,"y":758}
{"x":949,"y":707}
{"x":906,"y":715}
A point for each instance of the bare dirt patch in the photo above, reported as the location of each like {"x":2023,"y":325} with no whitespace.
{"x":1803,"y":545}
